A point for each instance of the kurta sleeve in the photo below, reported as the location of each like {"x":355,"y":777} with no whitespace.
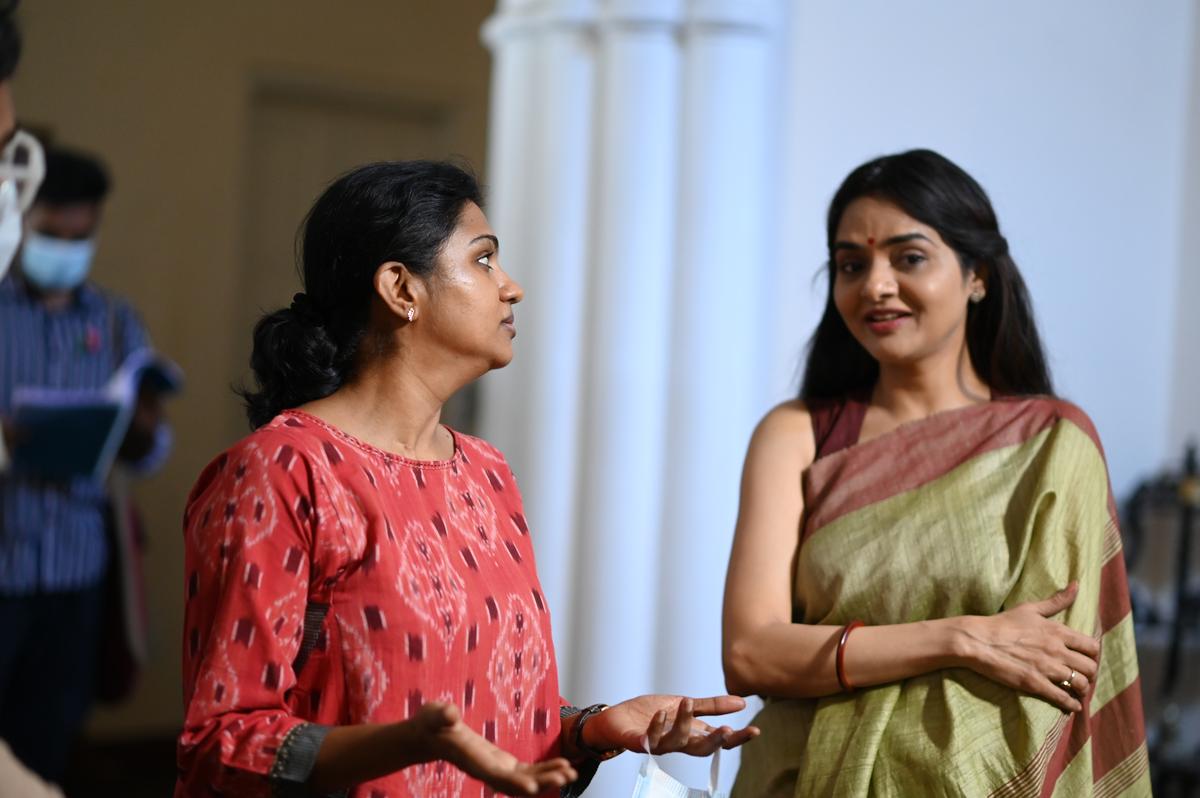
{"x":587,"y":768}
{"x":249,"y":530}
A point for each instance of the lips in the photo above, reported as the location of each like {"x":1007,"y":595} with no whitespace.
{"x":886,"y":314}
{"x":885,"y":320}
{"x":510,"y":324}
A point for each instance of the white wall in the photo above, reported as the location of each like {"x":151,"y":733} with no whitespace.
{"x":1073,"y":116}
{"x":1185,"y":413}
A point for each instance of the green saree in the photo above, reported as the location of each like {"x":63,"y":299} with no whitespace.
{"x":968,"y":512}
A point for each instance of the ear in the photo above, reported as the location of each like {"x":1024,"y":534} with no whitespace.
{"x":400,"y":290}
{"x":977,"y":278}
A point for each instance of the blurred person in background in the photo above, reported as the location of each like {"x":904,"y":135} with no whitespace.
{"x":16,"y":781}
{"x":362,"y":606}
{"x":59,"y":330}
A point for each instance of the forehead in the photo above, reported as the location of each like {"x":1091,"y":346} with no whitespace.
{"x":472,"y":223}
{"x":880,"y":218}
{"x":72,"y":220}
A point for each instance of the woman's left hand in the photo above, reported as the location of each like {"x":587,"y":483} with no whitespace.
{"x":669,"y":723}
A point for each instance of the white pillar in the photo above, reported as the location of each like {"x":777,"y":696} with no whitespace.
{"x":532,"y":409}
{"x":510,"y":34}
{"x":629,"y":339}
{"x":717,"y":369}
{"x":720,"y":341}
{"x":636,"y":210}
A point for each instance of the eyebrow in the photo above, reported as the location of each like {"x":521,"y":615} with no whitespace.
{"x":889,"y":242}
{"x":495,"y":241}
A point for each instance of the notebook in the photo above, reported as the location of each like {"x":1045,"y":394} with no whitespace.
{"x":64,"y":434}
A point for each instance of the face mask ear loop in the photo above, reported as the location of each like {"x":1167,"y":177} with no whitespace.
{"x":714,"y":772}
{"x":714,"y":768}
{"x":26,"y":171}
{"x":650,"y":766}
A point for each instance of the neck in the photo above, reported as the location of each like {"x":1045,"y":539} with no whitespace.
{"x":393,"y":404}
{"x":915,"y":390}
{"x":53,"y":300}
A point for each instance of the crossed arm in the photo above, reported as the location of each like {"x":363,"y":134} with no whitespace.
{"x":766,"y":653}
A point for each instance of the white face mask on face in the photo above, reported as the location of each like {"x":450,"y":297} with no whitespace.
{"x":53,"y":264}
{"x":654,"y":782}
{"x":22,"y":167}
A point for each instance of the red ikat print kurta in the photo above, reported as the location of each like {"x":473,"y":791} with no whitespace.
{"x":427,"y":570}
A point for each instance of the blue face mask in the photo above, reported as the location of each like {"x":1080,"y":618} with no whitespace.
{"x":53,"y":264}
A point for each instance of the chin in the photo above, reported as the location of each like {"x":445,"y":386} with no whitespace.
{"x":894,"y":355}
{"x":501,"y":360}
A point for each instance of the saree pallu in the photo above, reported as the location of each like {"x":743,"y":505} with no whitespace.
{"x":968,"y":512}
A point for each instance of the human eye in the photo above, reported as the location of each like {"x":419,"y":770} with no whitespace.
{"x":912,"y":259}
{"x":485,"y":260}
{"x":849,"y":266}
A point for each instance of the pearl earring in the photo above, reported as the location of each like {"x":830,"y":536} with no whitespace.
{"x":977,"y":297}
{"x":411,"y":312}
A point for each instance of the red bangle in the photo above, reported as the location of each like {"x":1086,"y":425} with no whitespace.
{"x":840,"y":659}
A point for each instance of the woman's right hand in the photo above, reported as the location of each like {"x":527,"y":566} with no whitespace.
{"x":1026,"y":650}
{"x":452,"y":740}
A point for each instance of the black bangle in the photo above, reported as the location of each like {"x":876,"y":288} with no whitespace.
{"x":577,"y":737}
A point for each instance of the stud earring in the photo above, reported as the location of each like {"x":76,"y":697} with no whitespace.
{"x":411,"y":312}
{"x":977,"y":297}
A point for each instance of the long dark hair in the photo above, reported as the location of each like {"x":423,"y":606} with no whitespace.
{"x":393,"y":211}
{"x":1002,"y":337}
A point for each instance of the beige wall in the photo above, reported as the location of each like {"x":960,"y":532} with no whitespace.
{"x":163,"y":91}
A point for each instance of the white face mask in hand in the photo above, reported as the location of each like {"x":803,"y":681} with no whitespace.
{"x":654,"y":782}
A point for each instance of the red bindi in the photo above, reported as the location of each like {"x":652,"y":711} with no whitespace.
{"x":870,"y":242}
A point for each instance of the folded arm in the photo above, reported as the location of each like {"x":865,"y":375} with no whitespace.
{"x":766,"y":653}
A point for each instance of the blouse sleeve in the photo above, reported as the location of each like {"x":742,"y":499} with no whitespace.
{"x":248,"y":529}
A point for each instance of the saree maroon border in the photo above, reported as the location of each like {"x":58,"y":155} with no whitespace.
{"x":921,"y":451}
{"x":903,"y":465}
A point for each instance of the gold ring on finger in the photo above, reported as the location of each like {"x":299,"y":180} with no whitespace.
{"x":1069,"y":682}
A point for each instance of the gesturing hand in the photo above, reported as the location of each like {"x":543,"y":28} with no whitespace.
{"x":669,"y":723}
{"x":1023,"y":649}
{"x":457,"y":743}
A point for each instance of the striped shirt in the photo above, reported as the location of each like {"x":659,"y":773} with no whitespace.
{"x":52,"y":533}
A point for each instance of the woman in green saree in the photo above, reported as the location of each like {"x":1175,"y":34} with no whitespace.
{"x":926,"y":583}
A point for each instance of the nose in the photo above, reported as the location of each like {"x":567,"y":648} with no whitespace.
{"x":881,"y":281}
{"x":510,"y":290}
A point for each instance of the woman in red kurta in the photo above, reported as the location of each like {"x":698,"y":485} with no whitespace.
{"x":362,"y":608}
